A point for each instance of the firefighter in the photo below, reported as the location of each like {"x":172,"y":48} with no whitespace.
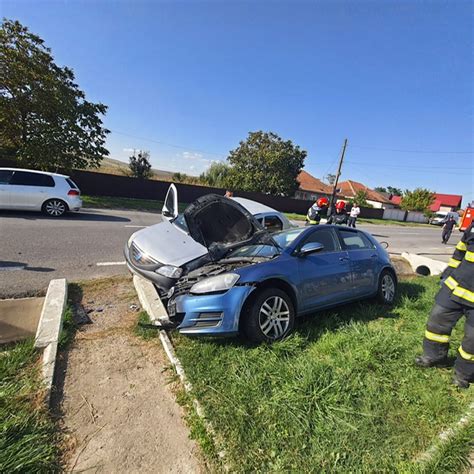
{"x":340,"y":216}
{"x":316,"y":210}
{"x":454,"y":300}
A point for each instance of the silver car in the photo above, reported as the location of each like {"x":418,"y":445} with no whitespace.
{"x":163,"y":252}
{"x":29,"y":190}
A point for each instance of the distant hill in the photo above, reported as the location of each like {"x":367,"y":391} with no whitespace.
{"x":111,"y":166}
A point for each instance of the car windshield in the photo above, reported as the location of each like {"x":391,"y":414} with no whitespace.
{"x":286,"y":237}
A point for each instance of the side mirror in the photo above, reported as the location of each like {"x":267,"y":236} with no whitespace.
{"x":310,"y":247}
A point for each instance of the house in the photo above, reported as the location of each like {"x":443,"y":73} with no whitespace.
{"x":441,"y":202}
{"x":311,"y":188}
{"x":350,"y":188}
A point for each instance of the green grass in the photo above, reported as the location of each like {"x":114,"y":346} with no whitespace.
{"x":27,"y":433}
{"x":144,"y":332}
{"x":109,"y":202}
{"x":340,"y":395}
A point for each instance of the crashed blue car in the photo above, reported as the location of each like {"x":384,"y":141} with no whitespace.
{"x":255,"y":283}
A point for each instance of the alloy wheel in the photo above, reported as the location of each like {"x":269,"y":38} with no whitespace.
{"x":274,"y":317}
{"x":388,"y":288}
{"x":55,"y":208}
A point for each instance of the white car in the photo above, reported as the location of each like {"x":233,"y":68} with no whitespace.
{"x":29,"y":190}
{"x":163,"y":252}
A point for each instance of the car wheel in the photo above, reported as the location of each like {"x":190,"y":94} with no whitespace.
{"x":387,"y":287}
{"x":269,"y":316}
{"x":55,"y":207}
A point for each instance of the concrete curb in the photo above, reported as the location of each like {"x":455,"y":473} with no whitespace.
{"x":49,"y":329}
{"x":152,"y":304}
{"x":424,"y":265}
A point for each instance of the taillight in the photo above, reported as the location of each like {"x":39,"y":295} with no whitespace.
{"x":73,"y":192}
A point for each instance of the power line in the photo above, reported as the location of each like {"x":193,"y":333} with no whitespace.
{"x":419,"y":167}
{"x":397,"y":150}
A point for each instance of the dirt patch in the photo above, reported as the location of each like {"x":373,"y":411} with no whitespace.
{"x":114,"y":395}
{"x":402,"y":266}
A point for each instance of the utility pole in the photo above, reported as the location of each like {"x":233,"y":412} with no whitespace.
{"x":333,"y":195}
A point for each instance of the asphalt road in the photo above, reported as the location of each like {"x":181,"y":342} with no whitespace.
{"x":34,"y":248}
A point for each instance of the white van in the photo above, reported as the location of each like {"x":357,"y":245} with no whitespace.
{"x":441,"y":217}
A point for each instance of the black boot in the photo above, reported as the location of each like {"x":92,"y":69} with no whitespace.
{"x":459,"y":381}
{"x":425,"y":362}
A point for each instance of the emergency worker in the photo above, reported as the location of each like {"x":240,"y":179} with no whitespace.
{"x":454,"y":300}
{"x":340,"y":216}
{"x":313,"y":217}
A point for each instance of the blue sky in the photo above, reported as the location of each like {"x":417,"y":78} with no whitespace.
{"x":188,"y":80}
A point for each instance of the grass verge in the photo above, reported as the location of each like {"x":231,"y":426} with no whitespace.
{"x":341,"y":394}
{"x":27,"y":433}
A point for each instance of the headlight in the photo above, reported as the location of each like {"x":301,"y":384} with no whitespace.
{"x":169,"y":271}
{"x":216,"y":283}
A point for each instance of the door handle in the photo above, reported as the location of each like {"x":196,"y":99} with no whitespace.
{"x":343,"y":259}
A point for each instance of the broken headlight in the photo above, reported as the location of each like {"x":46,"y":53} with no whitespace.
{"x":169,"y":271}
{"x":216,"y":283}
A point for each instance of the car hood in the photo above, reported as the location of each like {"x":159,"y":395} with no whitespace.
{"x":221,"y":224}
{"x":168,"y":244}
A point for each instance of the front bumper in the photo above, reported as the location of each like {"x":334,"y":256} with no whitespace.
{"x":163,"y":283}
{"x":214,"y":314}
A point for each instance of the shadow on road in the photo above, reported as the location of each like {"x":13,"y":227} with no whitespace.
{"x":6,"y":266}
{"x":80,"y":216}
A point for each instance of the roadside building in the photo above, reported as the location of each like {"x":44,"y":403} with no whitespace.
{"x":311,"y":188}
{"x":441,"y":203}
{"x":349,"y":190}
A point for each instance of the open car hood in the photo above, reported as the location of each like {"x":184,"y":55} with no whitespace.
{"x":222,"y":224}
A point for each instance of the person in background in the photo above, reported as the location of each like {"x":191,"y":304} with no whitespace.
{"x":448,"y":229}
{"x":354,"y":214}
{"x":313,"y":216}
{"x":229,"y":194}
{"x":340,"y":216}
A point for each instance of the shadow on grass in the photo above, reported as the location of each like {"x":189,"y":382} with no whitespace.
{"x":312,"y":326}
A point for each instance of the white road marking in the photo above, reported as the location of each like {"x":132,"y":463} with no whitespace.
{"x":108,"y":264}
{"x":136,"y":226}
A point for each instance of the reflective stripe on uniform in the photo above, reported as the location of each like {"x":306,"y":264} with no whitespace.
{"x":436,"y":337}
{"x":451,"y":283}
{"x":466,"y":355}
{"x":454,"y":263}
{"x":464,"y":293}
{"x":469,"y":256}
{"x":312,"y":222}
{"x":461,"y":246}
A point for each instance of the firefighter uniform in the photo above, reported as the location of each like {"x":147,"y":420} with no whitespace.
{"x":454,"y":300}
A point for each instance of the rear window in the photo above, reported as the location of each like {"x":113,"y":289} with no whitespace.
{"x":25,"y":178}
{"x":71,"y":183}
{"x":5,"y":176}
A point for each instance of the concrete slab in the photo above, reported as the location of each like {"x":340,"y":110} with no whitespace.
{"x":19,"y":318}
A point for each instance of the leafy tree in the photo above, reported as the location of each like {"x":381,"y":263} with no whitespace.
{"x":360,"y":198}
{"x":140,"y":165}
{"x":217,"y":175}
{"x":180,"y":177}
{"x":418,"y":200}
{"x":45,"y":120}
{"x":331,"y":178}
{"x":266,"y":163}
{"x":394,"y":191}
{"x":380,"y":189}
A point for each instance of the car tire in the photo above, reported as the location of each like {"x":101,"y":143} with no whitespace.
{"x":269,"y":316}
{"x":387,"y":289}
{"x":54,"y":208}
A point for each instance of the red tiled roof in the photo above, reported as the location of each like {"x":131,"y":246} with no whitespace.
{"x":396,"y":200}
{"x":350,"y":188}
{"x":310,"y":183}
{"x":450,"y":200}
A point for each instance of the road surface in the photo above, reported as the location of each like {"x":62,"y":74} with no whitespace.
{"x":34,"y":248}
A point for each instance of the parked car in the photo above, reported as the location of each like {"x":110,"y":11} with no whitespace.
{"x":440,"y":218}
{"x":163,"y":252}
{"x":257,"y":283}
{"x":28,"y":190}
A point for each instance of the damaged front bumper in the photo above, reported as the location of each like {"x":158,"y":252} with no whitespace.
{"x":215,"y":314}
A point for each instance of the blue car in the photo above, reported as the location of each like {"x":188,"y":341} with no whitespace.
{"x":256,"y":284}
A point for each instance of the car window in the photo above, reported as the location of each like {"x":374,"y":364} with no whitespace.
{"x":283,"y":239}
{"x":273,"y":223}
{"x":26,"y":178}
{"x":325,"y":237}
{"x":5,"y":176}
{"x":354,"y":240}
{"x":71,"y":183}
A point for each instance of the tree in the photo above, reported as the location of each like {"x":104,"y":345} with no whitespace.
{"x":217,"y":175}
{"x":331,"y":178}
{"x":140,"y":165}
{"x":45,"y":120}
{"x":389,"y":190}
{"x":418,"y":200}
{"x":360,"y":198}
{"x":180,"y":177}
{"x":380,"y":189}
{"x":266,"y":163}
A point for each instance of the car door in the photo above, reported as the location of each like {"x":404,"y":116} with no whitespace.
{"x":29,"y":190}
{"x":5,"y":176}
{"x":363,"y":260}
{"x":325,"y":276}
{"x":170,"y":206}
